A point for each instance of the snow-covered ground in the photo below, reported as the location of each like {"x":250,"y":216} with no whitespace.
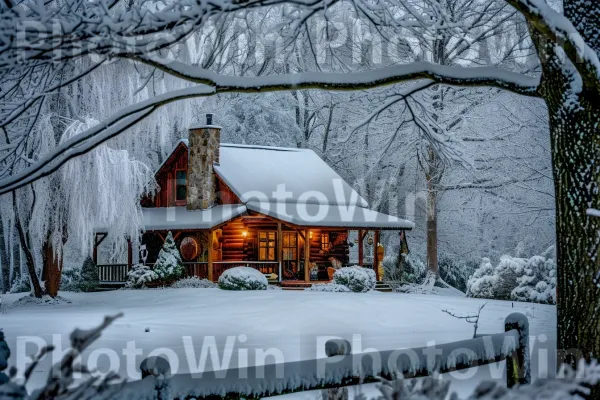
{"x":182,"y":324}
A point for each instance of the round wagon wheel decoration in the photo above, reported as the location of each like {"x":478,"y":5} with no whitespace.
{"x":189,"y":248}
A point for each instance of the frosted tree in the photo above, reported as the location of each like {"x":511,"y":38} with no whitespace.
{"x":569,"y":83}
{"x":168,"y":266}
{"x":100,"y":190}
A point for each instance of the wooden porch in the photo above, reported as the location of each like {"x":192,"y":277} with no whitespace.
{"x":287,"y":254}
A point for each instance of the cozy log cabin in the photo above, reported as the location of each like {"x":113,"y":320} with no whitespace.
{"x":270,"y":208}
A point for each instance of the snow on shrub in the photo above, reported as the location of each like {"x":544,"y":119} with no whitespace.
{"x":243,"y":278}
{"x":481,"y":283}
{"x":88,"y":276}
{"x":193,"y":282}
{"x":455,"y":273}
{"x":328,"y":287}
{"x":515,"y":278}
{"x":139,"y":276}
{"x":356,"y":278}
{"x":168,"y":265}
{"x":538,"y":283}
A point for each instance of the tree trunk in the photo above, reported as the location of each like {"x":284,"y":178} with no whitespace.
{"x":52,"y":270}
{"x":4,"y":261}
{"x":25,"y":245}
{"x":575,"y":141}
{"x":432,"y":248}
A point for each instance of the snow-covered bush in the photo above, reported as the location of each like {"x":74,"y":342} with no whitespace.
{"x":88,"y":278}
{"x":356,"y":278}
{"x":193,"y":282}
{"x":243,"y":278}
{"x":21,"y":285}
{"x":455,"y":273}
{"x":508,"y":270}
{"x":139,"y":276}
{"x":482,"y":283}
{"x":415,"y":270}
{"x":168,"y":266}
{"x":328,"y":287}
{"x":70,"y":280}
{"x":515,"y":278}
{"x":392,"y":272}
{"x":538,"y":282}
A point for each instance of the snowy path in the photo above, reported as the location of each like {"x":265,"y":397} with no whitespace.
{"x":284,"y":323}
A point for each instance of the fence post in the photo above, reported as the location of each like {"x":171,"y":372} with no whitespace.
{"x":337,"y":347}
{"x":518,"y":369}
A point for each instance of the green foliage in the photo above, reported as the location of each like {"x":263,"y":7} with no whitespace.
{"x":455,"y":273}
{"x":139,"y":276}
{"x":168,"y":267}
{"x":89,"y":279}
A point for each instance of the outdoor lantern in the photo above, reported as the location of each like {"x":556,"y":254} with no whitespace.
{"x":244,"y":233}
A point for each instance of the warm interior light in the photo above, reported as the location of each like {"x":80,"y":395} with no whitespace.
{"x":310,"y":234}
{"x":244,"y":233}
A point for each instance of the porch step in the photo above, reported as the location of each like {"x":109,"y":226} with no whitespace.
{"x":383,"y":287}
{"x":295,"y":285}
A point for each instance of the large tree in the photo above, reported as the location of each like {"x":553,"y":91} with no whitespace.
{"x":567,"y":46}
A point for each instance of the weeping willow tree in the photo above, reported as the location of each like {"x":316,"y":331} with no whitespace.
{"x":98,"y":190}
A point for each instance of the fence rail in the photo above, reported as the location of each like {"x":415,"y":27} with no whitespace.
{"x":341,"y":368}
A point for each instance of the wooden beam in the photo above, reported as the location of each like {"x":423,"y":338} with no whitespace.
{"x":129,"y":253}
{"x":211,"y":276}
{"x":97,"y":242}
{"x":279,"y":248}
{"x":361,"y":252}
{"x":375,"y":255}
{"x":306,"y":255}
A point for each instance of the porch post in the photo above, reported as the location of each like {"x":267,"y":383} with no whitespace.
{"x":210,"y":256}
{"x":375,"y":255}
{"x":129,"y":253}
{"x":306,"y":255}
{"x":279,"y":248}
{"x":361,"y":255}
{"x":95,"y":250}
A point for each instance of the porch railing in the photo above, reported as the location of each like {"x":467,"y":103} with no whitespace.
{"x":198,"y":269}
{"x":112,"y":273}
{"x":117,"y":273}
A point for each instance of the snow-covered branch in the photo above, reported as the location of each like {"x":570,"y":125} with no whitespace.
{"x":558,"y":29}
{"x":459,"y":76}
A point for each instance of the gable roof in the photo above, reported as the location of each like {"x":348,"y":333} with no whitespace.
{"x":262,"y":173}
{"x":266,"y":178}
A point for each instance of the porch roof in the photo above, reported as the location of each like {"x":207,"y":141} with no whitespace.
{"x":164,"y":218}
{"x":329,"y":215}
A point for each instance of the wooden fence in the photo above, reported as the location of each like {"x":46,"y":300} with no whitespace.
{"x":341,"y":368}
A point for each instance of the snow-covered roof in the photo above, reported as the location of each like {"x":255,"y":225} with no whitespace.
{"x":293,"y":185}
{"x":280,"y":174}
{"x":330,"y":215}
{"x":164,"y":218}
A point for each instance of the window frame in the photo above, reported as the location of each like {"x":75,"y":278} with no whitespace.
{"x":182,"y":202}
{"x":267,"y":246}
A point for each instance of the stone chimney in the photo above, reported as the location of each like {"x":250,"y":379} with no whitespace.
{"x":203,"y":141}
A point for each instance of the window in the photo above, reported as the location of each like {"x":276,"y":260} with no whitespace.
{"x":180,"y":185}
{"x":290,"y":246}
{"x":267,"y":247}
{"x":325,"y":245}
